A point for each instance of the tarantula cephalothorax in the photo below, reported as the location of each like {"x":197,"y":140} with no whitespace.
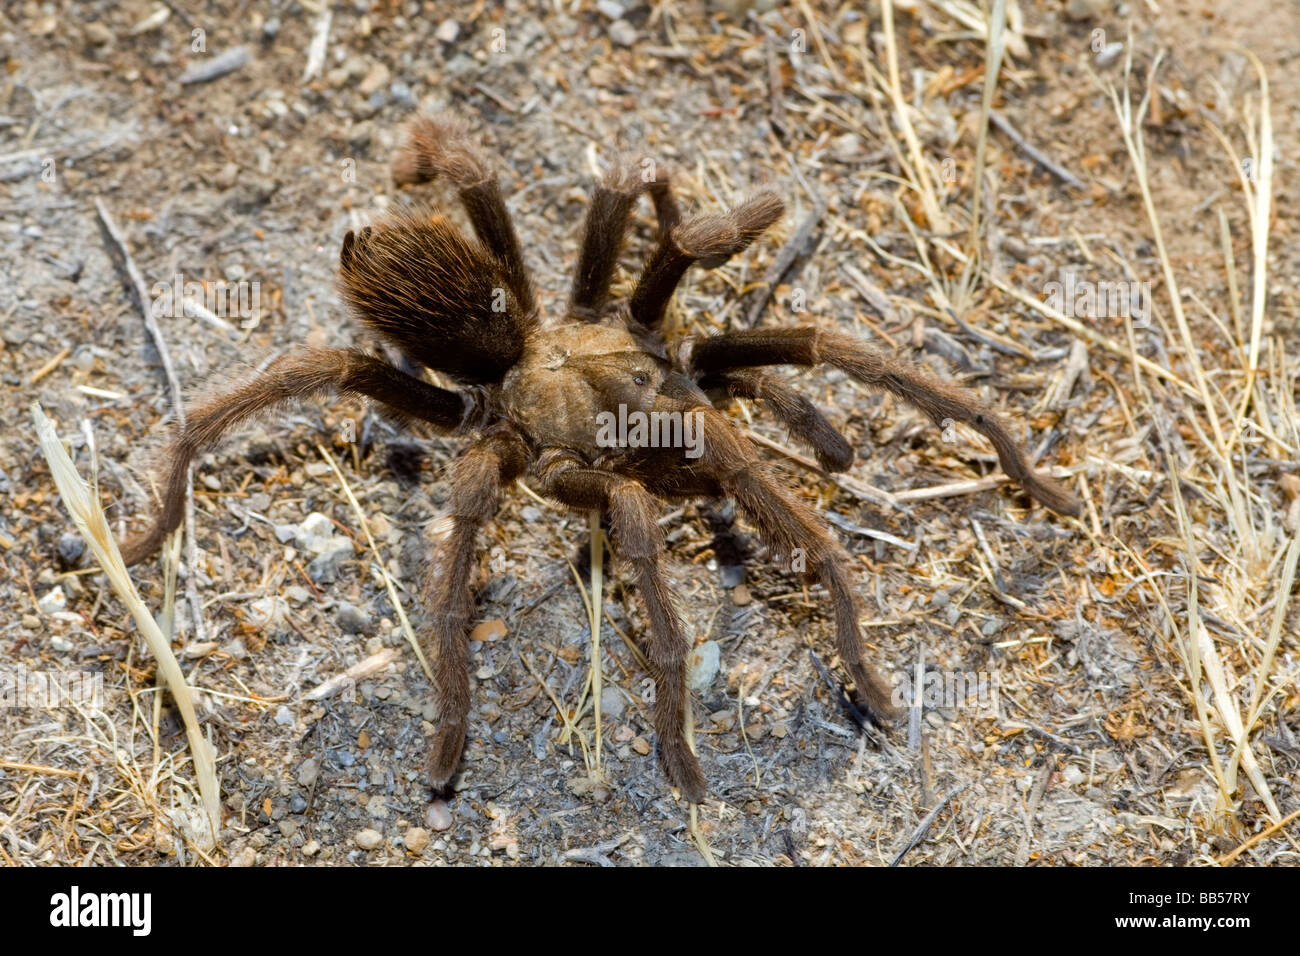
{"x":531,"y":393}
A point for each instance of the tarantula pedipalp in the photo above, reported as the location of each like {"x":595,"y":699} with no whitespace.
{"x":532,"y":394}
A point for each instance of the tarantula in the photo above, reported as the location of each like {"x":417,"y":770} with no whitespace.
{"x":531,"y":392}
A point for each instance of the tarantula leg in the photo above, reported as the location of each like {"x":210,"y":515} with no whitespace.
{"x":440,"y":145}
{"x":942,"y":402}
{"x":789,"y":529}
{"x":298,"y":375}
{"x":640,"y":542}
{"x":802,"y":418}
{"x":477,"y":478}
{"x":707,"y":240}
{"x":611,"y":207}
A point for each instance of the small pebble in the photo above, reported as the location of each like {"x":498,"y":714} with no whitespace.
{"x":492,"y":630}
{"x":284,"y":716}
{"x":311,"y":848}
{"x":368,"y":839}
{"x":353,"y":619}
{"x":438,"y":816}
{"x":641,"y":746}
{"x":740,"y":595}
{"x":611,"y":8}
{"x":447,"y":31}
{"x":612,"y":703}
{"x":215,"y":67}
{"x":416,"y":839}
{"x":733,"y":575}
{"x":309,"y":771}
{"x":622,"y":33}
{"x":376,"y":79}
{"x":297,"y":803}
{"x":53,"y":601}
{"x":71,"y":548}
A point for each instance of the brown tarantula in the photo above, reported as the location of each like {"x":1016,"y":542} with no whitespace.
{"x":532,"y":390}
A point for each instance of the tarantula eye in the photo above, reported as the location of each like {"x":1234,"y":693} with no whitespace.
{"x":639,"y":378}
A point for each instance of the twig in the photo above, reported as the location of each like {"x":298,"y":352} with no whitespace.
{"x":121,"y":256}
{"x":1036,"y":154}
{"x":362,"y":669}
{"x":794,"y":247}
{"x":924,"y":827}
{"x":596,"y":854}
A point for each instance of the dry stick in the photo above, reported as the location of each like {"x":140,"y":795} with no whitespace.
{"x":1036,"y":154}
{"x":924,"y":827}
{"x":936,"y":219}
{"x":794,"y":247}
{"x":121,"y":256}
{"x":1261,"y":835}
{"x":379,"y":562}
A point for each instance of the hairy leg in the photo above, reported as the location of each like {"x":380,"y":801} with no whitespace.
{"x":632,"y":511}
{"x":789,"y":528}
{"x":800,"y":417}
{"x":707,"y":240}
{"x":477,"y":478}
{"x":440,"y":145}
{"x":942,"y":402}
{"x":611,"y":207}
{"x":301,"y":374}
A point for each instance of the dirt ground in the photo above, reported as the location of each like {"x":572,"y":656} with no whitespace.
{"x":1104,"y":745}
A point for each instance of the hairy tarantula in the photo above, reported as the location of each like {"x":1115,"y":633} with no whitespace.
{"x":532,"y":390}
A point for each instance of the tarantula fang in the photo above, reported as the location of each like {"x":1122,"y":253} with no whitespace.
{"x":529,"y":393}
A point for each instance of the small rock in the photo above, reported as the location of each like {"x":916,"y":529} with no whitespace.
{"x":309,"y":771}
{"x":245,"y":857}
{"x":270,"y":30}
{"x":416,"y":839}
{"x":611,"y":8}
{"x":311,"y":848}
{"x":438,"y":815}
{"x":368,"y":839}
{"x":531,"y":514}
{"x":492,"y":630}
{"x":53,"y":601}
{"x":71,"y":548}
{"x":284,"y":716}
{"x":1085,"y":9}
{"x":376,"y":79}
{"x":740,"y":595}
{"x":401,"y":94}
{"x":98,"y":34}
{"x":325,"y":569}
{"x":61,"y":644}
{"x":353,"y":619}
{"x":297,"y":594}
{"x":297,"y":803}
{"x":622,"y":33}
{"x":733,"y":575}
{"x":447,"y":31}
{"x":612,"y":703}
{"x":641,"y":746}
